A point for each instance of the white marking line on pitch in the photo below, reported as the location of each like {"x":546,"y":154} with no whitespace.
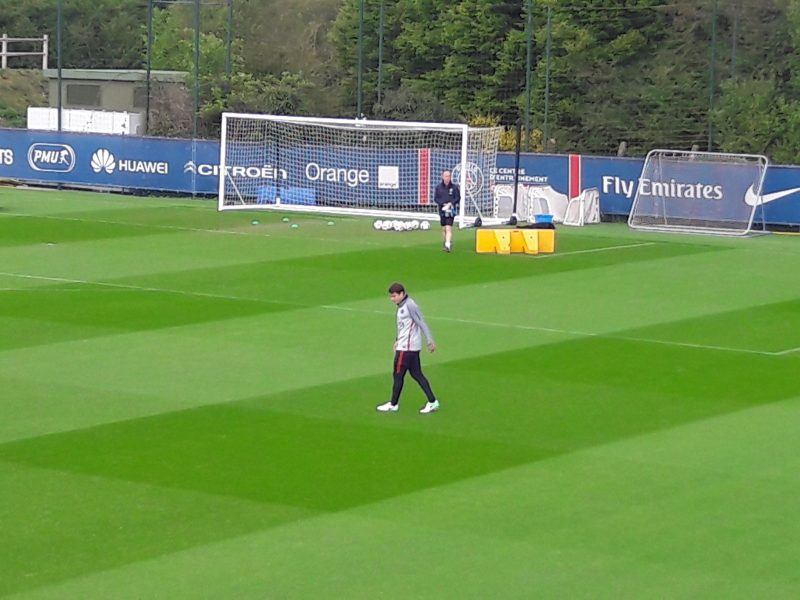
{"x":379,"y":312}
{"x":611,"y":336}
{"x":146,"y":225}
{"x":785,"y":352}
{"x":192,"y":229}
{"x":593,"y":250}
{"x":139,"y":288}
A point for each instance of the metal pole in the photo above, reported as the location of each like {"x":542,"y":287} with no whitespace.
{"x":229,"y":42}
{"x":359,"y":90}
{"x":380,"y":51}
{"x":196,"y":102}
{"x":528,"y":65}
{"x":734,"y":40}
{"x":149,"y":65}
{"x":514,"y":218}
{"x":45,"y":50}
{"x":712,"y":75}
{"x":548,"y":47}
{"x":59,"y":25}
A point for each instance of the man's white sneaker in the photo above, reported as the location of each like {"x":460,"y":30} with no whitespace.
{"x":388,"y":407}
{"x":429,"y":407}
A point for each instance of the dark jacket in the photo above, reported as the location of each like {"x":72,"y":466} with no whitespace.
{"x":447,"y":193}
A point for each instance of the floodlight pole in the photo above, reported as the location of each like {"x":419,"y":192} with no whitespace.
{"x":149,"y":65}
{"x":518,"y":146}
{"x":229,"y":42}
{"x":59,"y":27}
{"x":528,"y":66}
{"x":712,"y":75}
{"x":196,"y":107}
{"x":359,"y":85}
{"x":380,"y":50}
{"x":548,"y":53}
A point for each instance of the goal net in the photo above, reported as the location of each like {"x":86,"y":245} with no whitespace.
{"x":583,"y":209}
{"x":360,"y":167}
{"x":532,"y":200}
{"x":698,"y":192}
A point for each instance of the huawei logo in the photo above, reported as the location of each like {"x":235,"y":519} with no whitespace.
{"x":103,"y":160}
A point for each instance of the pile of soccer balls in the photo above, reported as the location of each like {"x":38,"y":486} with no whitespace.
{"x":395,"y":225}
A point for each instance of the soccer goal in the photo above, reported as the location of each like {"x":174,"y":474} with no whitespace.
{"x":583,"y":209}
{"x":354,"y":166}
{"x":698,"y":192}
{"x":532,"y":200}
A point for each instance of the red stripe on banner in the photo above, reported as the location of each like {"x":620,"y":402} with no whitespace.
{"x":424,"y":170}
{"x":575,"y":186}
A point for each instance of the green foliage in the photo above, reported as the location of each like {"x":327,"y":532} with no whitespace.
{"x":286,"y":35}
{"x":602,"y":71}
{"x":97,"y":33}
{"x":754,"y":117}
{"x":245,"y":92}
{"x":173,"y":44}
{"x":411,"y":102}
{"x":532,"y":141}
{"x":20,"y":89}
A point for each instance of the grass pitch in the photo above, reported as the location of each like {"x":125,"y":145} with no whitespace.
{"x":188,"y":410}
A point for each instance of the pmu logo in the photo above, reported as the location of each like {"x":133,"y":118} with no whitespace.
{"x":103,"y":160}
{"x":474,"y":177}
{"x":55,"y":158}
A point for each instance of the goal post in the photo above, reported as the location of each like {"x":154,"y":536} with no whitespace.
{"x":698,"y":192}
{"x":354,"y":166}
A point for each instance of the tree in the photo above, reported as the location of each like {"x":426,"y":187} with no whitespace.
{"x":409,"y":103}
{"x":96,"y":34}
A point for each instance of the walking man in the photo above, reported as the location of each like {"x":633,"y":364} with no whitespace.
{"x":411,"y":327}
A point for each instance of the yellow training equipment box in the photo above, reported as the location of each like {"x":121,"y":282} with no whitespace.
{"x":507,"y":241}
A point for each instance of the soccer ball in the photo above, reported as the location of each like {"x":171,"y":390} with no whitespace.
{"x":425,"y":225}
{"x":414,"y":224}
{"x":377,"y":225}
{"x":386,"y":225}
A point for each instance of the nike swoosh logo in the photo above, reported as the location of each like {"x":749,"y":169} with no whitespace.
{"x":753,"y":199}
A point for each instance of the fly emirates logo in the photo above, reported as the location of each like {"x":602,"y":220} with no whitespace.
{"x":668,"y":189}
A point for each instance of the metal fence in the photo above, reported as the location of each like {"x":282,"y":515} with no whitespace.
{"x":590,"y":76}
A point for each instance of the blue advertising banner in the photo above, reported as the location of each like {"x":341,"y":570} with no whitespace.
{"x":115,"y":161}
{"x":185,"y":166}
{"x":617,"y":180}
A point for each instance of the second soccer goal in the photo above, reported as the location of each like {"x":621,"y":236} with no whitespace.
{"x":354,"y":166}
{"x":698,"y":192}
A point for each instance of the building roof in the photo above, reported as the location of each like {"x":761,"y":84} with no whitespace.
{"x":117,"y":75}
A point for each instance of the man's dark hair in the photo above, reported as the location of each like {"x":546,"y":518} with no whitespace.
{"x":397,"y":288}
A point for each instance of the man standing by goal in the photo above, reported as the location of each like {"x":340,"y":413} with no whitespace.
{"x":447,"y":196}
{"x":407,"y":346}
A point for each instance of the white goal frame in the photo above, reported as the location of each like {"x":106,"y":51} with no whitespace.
{"x":685,"y":191}
{"x":583,"y":209}
{"x":477,"y":145}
